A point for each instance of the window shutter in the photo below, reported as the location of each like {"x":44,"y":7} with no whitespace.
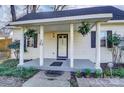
{"x":109,"y":33}
{"x":93,"y":39}
{"x":35,"y":40}
{"x":24,"y":42}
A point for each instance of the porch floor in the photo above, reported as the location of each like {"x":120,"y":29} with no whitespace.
{"x":79,"y":64}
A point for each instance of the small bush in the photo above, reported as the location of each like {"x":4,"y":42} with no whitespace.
{"x":87,"y":72}
{"x":106,"y":72}
{"x":98,"y":73}
{"x":78,"y":74}
{"x":118,"y":72}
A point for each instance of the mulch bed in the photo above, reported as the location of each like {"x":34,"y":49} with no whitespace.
{"x":6,"y":81}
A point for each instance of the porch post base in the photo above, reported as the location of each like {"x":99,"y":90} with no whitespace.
{"x":41,"y":63}
{"x":19,"y":65}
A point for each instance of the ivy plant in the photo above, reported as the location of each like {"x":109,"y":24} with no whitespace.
{"x":84,"y":28}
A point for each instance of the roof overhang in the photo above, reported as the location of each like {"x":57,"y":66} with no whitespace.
{"x":115,"y":21}
{"x":92,"y":17}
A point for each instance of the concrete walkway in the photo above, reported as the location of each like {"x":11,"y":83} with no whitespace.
{"x":41,"y":80}
{"x":100,"y":82}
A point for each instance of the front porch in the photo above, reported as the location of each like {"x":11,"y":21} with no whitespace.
{"x":46,"y":48}
{"x":79,"y":64}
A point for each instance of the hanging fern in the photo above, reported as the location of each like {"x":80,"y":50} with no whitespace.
{"x":30,"y":33}
{"x":84,"y":28}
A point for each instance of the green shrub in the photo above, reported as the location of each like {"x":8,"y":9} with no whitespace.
{"x":87,"y":72}
{"x":9,"y":68}
{"x":24,"y":73}
{"x":9,"y":63}
{"x":107,"y":72}
{"x":78,"y":74}
{"x":118,"y":72}
{"x":98,"y":73}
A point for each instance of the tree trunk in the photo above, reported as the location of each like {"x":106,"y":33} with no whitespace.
{"x":59,"y":7}
{"x":27,"y":9}
{"x":34,"y":8}
{"x":13,"y":12}
{"x":31,"y":8}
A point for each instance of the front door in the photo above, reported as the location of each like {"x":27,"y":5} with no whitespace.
{"x":62,"y":46}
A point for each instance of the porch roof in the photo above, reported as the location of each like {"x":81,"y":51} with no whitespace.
{"x":117,"y":13}
{"x":103,"y":13}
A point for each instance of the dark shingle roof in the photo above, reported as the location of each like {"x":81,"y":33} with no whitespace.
{"x":117,"y":13}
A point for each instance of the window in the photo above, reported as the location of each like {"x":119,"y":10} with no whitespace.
{"x":30,"y":42}
{"x":103,"y":38}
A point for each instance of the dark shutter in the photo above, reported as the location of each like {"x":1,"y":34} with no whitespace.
{"x":35,"y":40}
{"x":24,"y":42}
{"x":109,"y":44}
{"x":93,"y":39}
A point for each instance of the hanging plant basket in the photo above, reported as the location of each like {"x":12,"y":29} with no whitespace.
{"x":30,"y":33}
{"x":84,"y":28}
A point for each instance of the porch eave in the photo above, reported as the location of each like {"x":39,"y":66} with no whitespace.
{"x":71,"y":19}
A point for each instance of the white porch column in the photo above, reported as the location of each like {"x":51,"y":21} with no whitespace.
{"x":41,"y":44}
{"x":21,"y":56}
{"x":98,"y":45}
{"x":71,"y":45}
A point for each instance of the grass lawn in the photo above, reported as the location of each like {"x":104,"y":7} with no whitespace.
{"x":9,"y":68}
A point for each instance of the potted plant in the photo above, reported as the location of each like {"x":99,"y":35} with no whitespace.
{"x":98,"y":73}
{"x":84,"y":28}
{"x":78,"y":74}
{"x":106,"y":73}
{"x":87,"y":73}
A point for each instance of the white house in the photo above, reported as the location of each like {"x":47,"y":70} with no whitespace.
{"x":57,"y":37}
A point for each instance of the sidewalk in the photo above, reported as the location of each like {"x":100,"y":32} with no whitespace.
{"x":41,"y":80}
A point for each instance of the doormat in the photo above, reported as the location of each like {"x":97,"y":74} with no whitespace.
{"x":56,"y":64}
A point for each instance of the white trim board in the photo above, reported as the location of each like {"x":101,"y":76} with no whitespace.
{"x":116,"y":21}
{"x":81,"y":17}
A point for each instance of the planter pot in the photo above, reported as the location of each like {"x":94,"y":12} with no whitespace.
{"x":87,"y":76}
